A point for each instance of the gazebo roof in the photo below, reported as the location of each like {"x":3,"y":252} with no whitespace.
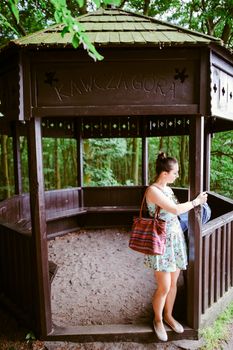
{"x":114,"y":27}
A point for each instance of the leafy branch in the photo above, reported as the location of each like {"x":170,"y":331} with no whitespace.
{"x":63,"y":16}
{"x":221,"y":154}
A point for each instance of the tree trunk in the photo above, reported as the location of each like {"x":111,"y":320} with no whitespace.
{"x":135,"y":161}
{"x":24,"y":160}
{"x":168,"y":139}
{"x":87,"y":156}
{"x":182,"y":160}
{"x":226,"y":33}
{"x":65,"y":163}
{"x":73,"y":152}
{"x":5,"y":168}
{"x":161,"y":143}
{"x":146,"y":7}
{"x":56,"y":165}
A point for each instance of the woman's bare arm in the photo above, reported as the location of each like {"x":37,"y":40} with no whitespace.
{"x":156,"y":196}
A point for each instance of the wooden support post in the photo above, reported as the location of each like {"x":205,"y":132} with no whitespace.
{"x":207,"y":153}
{"x":39,"y":234}
{"x":194,"y":273}
{"x":17,"y":160}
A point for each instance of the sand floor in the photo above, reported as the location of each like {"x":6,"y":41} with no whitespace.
{"x":99,"y":280}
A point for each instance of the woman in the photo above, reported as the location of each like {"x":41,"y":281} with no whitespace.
{"x":167,"y":266}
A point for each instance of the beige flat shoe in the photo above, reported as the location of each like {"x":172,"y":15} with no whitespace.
{"x":177,"y":327}
{"x":160,"y":332}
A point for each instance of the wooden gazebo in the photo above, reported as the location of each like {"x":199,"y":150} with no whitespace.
{"x":156,"y":79}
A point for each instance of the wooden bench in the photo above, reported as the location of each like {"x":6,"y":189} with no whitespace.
{"x":70,"y":209}
{"x":113,"y":209}
{"x":63,"y":207}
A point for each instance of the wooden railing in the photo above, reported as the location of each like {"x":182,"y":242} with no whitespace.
{"x":16,"y":269}
{"x":217,"y":253}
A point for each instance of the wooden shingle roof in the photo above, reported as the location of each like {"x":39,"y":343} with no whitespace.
{"x":115,"y":27}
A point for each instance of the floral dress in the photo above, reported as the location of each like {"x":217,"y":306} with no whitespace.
{"x":175,"y":255}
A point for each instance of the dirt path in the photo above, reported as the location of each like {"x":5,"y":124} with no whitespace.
{"x":99,"y":280}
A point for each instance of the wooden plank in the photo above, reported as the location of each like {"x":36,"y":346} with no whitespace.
{"x":126,"y":37}
{"x":223,"y":260}
{"x":121,"y":110}
{"x":207,"y":152}
{"x":217,"y":222}
{"x":228,"y":256}
{"x":141,"y":333}
{"x":114,"y":37}
{"x":59,"y":206}
{"x":17,"y":160}
{"x":212,"y":272}
{"x":205,"y":274}
{"x":217,"y":253}
{"x":194,"y":275}
{"x":138,"y":38}
{"x":22,"y":271}
{"x":102,"y":38}
{"x":204,"y":83}
{"x":39,"y":236}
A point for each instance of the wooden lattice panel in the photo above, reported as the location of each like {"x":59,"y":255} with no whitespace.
{"x":221,"y":89}
{"x":113,"y":127}
{"x":58,"y":127}
{"x":159,"y":126}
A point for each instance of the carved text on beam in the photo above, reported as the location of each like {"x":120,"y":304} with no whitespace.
{"x":83,"y":86}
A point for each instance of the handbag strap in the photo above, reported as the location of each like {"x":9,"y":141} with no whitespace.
{"x":142,"y":204}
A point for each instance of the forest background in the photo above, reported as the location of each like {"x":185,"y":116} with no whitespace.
{"x":114,"y":161}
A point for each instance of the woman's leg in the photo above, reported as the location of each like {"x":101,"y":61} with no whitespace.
{"x":171,"y":296}
{"x":163,"y":280}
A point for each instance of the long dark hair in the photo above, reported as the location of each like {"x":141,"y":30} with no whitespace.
{"x":164,"y":163}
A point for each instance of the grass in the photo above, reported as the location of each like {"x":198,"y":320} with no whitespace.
{"x":219,"y":331}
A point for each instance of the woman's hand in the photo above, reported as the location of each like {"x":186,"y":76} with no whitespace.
{"x":200,"y":199}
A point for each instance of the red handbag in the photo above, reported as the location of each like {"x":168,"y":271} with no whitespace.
{"x":148,"y":235}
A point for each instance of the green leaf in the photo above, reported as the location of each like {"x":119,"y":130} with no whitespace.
{"x":30,"y":336}
{"x":112,"y":2}
{"x":13,"y":5}
{"x":75,"y":41}
{"x":80,"y":3}
{"x":64,"y":31}
{"x":4,"y":22}
{"x":57,"y":16}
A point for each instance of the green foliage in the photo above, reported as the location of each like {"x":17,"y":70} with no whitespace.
{"x":30,"y":337}
{"x":14,"y":8}
{"x":211,"y":17}
{"x":100,"y":158}
{"x":63,"y":16}
{"x":20,"y":17}
{"x":214,"y":335}
{"x":60,"y":163}
{"x":222,"y":163}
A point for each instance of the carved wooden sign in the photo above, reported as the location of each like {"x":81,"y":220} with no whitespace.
{"x":221,"y":89}
{"x":115,"y":83}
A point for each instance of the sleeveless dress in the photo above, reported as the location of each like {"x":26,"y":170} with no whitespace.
{"x":175,"y":255}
